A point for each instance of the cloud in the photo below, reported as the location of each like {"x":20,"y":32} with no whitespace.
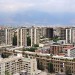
{"x":41,"y":5}
{"x":58,"y":6}
{"x":14,"y":5}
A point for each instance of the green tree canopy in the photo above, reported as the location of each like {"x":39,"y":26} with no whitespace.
{"x":55,"y":38}
{"x":32,"y":49}
{"x":5,"y":55}
{"x":14,"y":40}
{"x":50,"y":68}
{"x":35,"y":45}
{"x":68,"y":71}
{"x":40,"y":65}
{"x":7,"y":73}
{"x":28,"y":41}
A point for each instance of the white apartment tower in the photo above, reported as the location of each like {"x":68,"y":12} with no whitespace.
{"x":21,"y":37}
{"x":8,"y":36}
{"x":34,"y":33}
{"x":70,"y":35}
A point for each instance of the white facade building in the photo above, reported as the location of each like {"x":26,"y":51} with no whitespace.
{"x":35,"y":36}
{"x":21,"y":37}
{"x":70,"y":35}
{"x":8,"y":36}
{"x":71,"y":52}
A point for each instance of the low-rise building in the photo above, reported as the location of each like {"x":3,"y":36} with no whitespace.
{"x":56,"y":48}
{"x":60,"y":63}
{"x":70,"y":52}
{"x":13,"y":65}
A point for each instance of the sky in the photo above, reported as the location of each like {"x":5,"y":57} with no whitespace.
{"x":45,"y":12}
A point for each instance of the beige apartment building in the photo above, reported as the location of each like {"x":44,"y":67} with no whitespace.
{"x":22,"y":36}
{"x":35,"y":35}
{"x":60,"y":63}
{"x":2,"y":35}
{"x":70,"y":35}
{"x":60,"y":32}
{"x":56,"y":49}
{"x":8,"y":36}
{"x":14,"y":65}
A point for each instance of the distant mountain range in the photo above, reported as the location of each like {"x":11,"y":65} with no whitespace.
{"x":37,"y":17}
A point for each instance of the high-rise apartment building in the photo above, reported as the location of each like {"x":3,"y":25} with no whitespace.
{"x":35,"y":36}
{"x":2,"y":36}
{"x":9,"y":36}
{"x":60,"y":32}
{"x":49,"y":32}
{"x":22,"y":36}
{"x":70,"y":35}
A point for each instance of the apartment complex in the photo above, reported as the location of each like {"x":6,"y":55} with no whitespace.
{"x":60,"y":63}
{"x":56,"y":49}
{"x":9,"y":36}
{"x":70,"y":35}
{"x":43,"y":31}
{"x":35,"y":36}
{"x":70,"y":52}
{"x":22,"y":36}
{"x":35,"y":33}
{"x":49,"y":32}
{"x":2,"y":36}
{"x":60,"y":32}
{"x":14,"y":65}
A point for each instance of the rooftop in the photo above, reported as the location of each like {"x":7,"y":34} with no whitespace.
{"x":55,"y":56}
{"x":5,"y":60}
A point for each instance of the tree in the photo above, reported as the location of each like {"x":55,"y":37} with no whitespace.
{"x":55,"y":38}
{"x":5,"y":55}
{"x":68,"y":71}
{"x":47,"y":57}
{"x":50,"y":68}
{"x":67,"y":68}
{"x":50,"y":39}
{"x":73,"y":59}
{"x":40,"y":65}
{"x":35,"y":45}
{"x":28,"y":41}
{"x":32,"y":49}
{"x":7,"y":73}
{"x":14,"y":40}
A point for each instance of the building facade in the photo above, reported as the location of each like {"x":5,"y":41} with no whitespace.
{"x":35,"y":35}
{"x":70,"y":35}
{"x":9,"y":36}
{"x":21,"y":37}
{"x":60,"y":63}
{"x":16,"y":65}
{"x":56,"y":49}
{"x":60,"y":32}
{"x":49,"y":32}
{"x":2,"y":36}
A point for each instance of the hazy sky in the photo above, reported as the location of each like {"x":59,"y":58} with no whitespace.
{"x":27,"y":11}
